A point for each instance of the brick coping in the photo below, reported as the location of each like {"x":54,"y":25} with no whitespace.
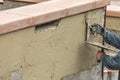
{"x":114,"y":9}
{"x":23,"y":17}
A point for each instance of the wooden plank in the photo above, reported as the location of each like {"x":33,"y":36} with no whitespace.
{"x":31,"y":1}
{"x":96,"y":44}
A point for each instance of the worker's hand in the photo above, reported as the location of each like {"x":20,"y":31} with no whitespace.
{"x":99,"y":55}
{"x":96,"y":29}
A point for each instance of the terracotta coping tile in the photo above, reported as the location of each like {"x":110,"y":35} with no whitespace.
{"x":22,"y":17}
{"x":113,"y":10}
{"x":31,"y":1}
{"x":15,"y":24}
{"x":1,"y":1}
{"x":117,"y":2}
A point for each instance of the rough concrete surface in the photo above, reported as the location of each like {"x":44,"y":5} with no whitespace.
{"x":12,"y":4}
{"x":50,"y":54}
{"x":92,"y":74}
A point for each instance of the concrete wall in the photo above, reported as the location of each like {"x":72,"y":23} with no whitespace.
{"x":51,"y":51}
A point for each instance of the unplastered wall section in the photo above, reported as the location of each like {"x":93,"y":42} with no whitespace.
{"x":49,"y":54}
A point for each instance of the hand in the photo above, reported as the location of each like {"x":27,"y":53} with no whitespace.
{"x":96,"y":29}
{"x":99,"y":55}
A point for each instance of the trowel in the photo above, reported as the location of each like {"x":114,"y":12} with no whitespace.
{"x":97,"y":44}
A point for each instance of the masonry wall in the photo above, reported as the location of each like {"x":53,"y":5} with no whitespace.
{"x":50,"y":51}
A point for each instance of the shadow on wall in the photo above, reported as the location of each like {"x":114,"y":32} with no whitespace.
{"x":47,"y":26}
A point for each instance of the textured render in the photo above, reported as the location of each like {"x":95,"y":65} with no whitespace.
{"x":11,"y":4}
{"x":113,"y":23}
{"x":51,"y":54}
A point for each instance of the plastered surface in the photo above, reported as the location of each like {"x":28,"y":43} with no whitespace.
{"x":113,"y":23}
{"x":51,"y":54}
